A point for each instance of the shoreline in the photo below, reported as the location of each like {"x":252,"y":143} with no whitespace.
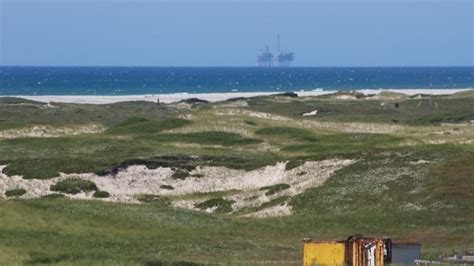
{"x":211,"y":97}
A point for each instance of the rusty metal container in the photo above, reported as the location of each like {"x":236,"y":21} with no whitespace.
{"x":365,"y":251}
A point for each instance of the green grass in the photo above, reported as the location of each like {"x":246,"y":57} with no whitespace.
{"x":109,"y":115}
{"x":204,"y":138}
{"x":151,"y":198}
{"x":308,"y":143}
{"x":358,"y":199}
{"x":74,"y":186}
{"x":291,"y":133}
{"x":384,"y":193}
{"x":138,"y":125}
{"x":411,"y":111}
{"x":15,"y":192}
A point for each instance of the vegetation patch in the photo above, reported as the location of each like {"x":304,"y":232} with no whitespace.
{"x":205,"y":138}
{"x":167,"y":187}
{"x":140,"y":126}
{"x":248,"y":161}
{"x":74,"y":186}
{"x":151,"y":198}
{"x":101,"y":194}
{"x":343,"y":144}
{"x":268,"y":204}
{"x":292,"y":164}
{"x":223,"y":205}
{"x":170,"y":263}
{"x":15,"y":192}
{"x":250,"y":122}
{"x":53,"y":196}
{"x":274,"y":189}
{"x":293,"y":133}
{"x":180,"y":174}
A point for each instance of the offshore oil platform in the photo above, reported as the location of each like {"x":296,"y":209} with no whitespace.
{"x":281,"y":59}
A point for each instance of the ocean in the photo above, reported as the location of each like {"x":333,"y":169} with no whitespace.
{"x":164,"y":80}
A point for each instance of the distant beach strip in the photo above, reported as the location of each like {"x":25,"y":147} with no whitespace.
{"x":211,"y":97}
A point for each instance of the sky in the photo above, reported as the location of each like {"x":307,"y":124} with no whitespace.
{"x":232,"y":32}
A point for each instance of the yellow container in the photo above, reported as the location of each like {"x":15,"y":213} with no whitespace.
{"x":324,"y":253}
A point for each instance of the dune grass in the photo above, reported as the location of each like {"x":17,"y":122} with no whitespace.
{"x":420,"y":192}
{"x":399,"y":204}
{"x":73,"y":186}
{"x":139,"y":126}
{"x":204,"y":138}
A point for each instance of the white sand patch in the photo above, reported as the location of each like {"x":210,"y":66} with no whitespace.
{"x":314,"y":112}
{"x":345,"y":97}
{"x":138,"y":179}
{"x":419,"y":162}
{"x":36,"y":188}
{"x":45,"y":131}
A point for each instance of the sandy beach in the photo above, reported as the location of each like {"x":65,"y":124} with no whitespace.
{"x":212,"y":97}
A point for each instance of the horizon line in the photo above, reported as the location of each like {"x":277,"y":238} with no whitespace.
{"x":243,"y":66}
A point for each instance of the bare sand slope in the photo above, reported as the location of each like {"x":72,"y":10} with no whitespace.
{"x":244,"y":189}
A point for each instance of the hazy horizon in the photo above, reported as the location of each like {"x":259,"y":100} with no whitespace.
{"x":230,"y":33}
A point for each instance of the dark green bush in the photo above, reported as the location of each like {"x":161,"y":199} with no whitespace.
{"x":101,"y":194}
{"x":180,"y":174}
{"x":15,"y":192}
{"x":293,"y":164}
{"x":74,"y":186}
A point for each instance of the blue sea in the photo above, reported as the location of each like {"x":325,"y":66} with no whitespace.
{"x":160,"y":80}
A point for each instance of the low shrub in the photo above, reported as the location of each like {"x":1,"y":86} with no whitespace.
{"x":223,"y":205}
{"x":293,"y":164}
{"x":167,"y":187}
{"x":180,"y":174}
{"x":15,"y":192}
{"x":250,"y":122}
{"x":275,"y":188}
{"x":74,"y":186}
{"x":101,"y":194}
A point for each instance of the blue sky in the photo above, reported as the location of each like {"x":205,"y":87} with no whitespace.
{"x":230,"y":33}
